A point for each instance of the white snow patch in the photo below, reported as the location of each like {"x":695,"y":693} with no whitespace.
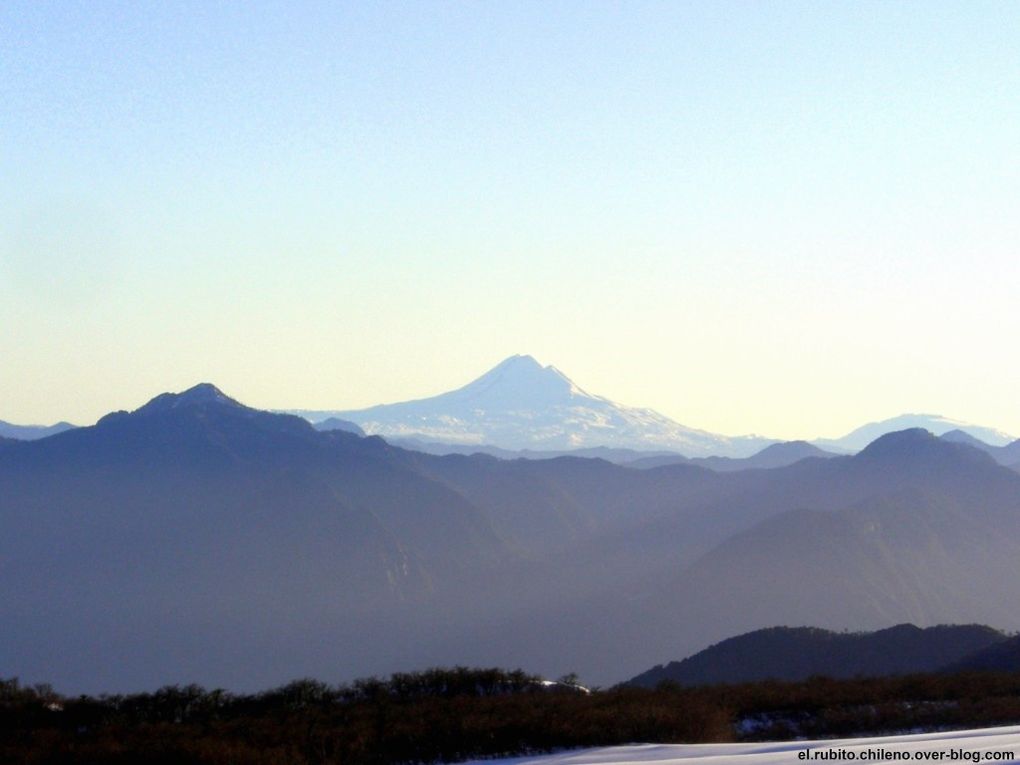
{"x":969,"y":745}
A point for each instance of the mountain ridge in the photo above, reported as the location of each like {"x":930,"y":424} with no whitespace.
{"x":32,"y":432}
{"x":197,"y":535}
{"x":797,"y":653}
{"x":1008,"y":455}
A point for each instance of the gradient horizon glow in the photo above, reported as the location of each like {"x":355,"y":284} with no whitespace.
{"x":783,"y":218}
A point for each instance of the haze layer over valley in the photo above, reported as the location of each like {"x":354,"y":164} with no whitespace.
{"x":197,"y":538}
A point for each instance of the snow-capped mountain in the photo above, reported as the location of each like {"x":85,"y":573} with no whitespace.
{"x":520,"y":404}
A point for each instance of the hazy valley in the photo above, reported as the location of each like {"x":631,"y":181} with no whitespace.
{"x":196,"y":538}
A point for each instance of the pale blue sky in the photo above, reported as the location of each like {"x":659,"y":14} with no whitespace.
{"x":786,"y":218}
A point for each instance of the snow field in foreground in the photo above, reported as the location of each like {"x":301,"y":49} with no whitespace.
{"x":980,"y":745}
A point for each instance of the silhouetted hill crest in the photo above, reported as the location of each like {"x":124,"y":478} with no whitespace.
{"x":859,"y":438}
{"x":798,"y":449}
{"x":916,"y":445}
{"x":336,"y":423}
{"x":1000,"y":657}
{"x":796,"y":653}
{"x":203,"y":394}
{"x":200,"y":426}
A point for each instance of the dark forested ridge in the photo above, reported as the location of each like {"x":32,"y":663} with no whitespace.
{"x":199,"y":539}
{"x":449,"y":715}
{"x":433,"y":716}
{"x":335,"y":423}
{"x":797,"y":653}
{"x":1002,"y":656}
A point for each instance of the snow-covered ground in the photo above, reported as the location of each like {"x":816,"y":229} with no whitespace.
{"x":981,"y":745}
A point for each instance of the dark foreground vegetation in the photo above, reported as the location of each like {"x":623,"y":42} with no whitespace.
{"x":450,"y":715}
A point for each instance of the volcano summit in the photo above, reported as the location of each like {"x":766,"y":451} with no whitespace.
{"x":520,"y":404}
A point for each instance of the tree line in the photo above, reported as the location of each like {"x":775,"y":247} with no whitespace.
{"x":447,"y":715}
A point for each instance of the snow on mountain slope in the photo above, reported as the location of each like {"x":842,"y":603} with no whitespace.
{"x":983,"y":744}
{"x":520,"y":404}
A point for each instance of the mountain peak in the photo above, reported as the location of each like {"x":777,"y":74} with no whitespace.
{"x":521,"y":379}
{"x":901,"y":442}
{"x":204,"y":393}
{"x":521,"y":404}
{"x":918,"y":443}
{"x":198,"y":395}
{"x":523,"y":365}
{"x":800,"y":448}
{"x":520,"y":361}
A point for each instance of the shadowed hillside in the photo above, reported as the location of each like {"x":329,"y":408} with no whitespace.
{"x":796,"y":653}
{"x":198,"y":538}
